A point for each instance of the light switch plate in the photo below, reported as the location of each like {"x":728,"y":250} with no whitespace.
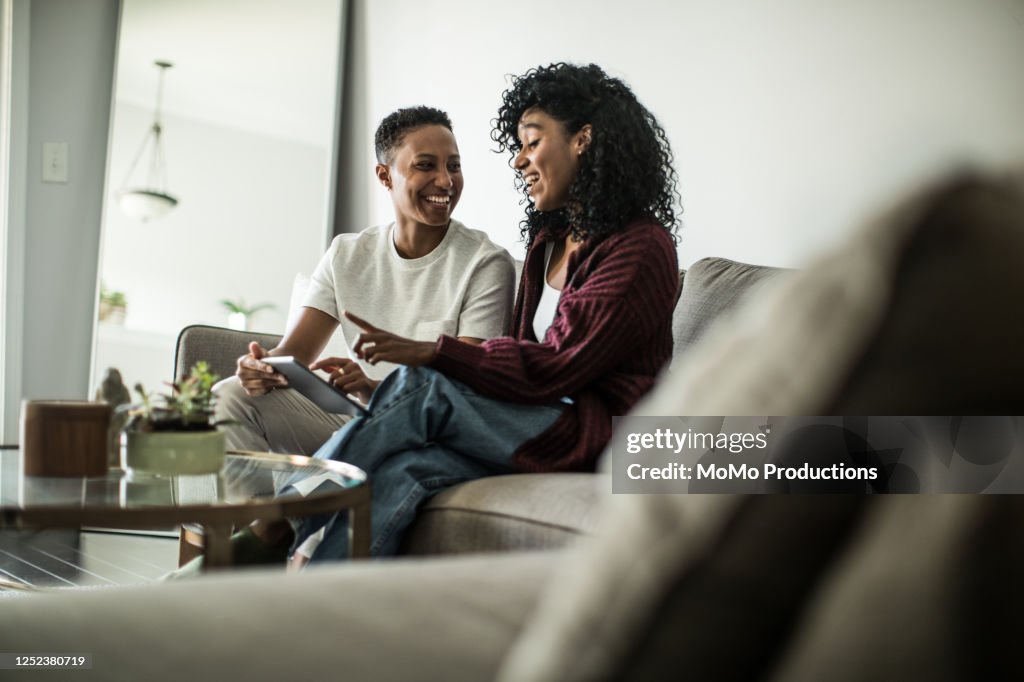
{"x":55,"y":162}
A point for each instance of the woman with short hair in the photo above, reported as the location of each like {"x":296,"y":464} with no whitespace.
{"x":425,"y":274}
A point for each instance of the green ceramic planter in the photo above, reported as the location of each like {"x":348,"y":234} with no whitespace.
{"x":172,"y":453}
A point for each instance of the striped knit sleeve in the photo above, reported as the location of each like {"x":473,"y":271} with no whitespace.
{"x":626,"y":296}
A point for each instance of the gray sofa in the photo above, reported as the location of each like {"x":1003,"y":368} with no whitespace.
{"x":914,"y":315}
{"x":528,"y":511}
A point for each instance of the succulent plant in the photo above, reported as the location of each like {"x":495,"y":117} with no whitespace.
{"x":187,"y":407}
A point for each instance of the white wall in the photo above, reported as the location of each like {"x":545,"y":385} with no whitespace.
{"x":252,"y":213}
{"x":13,"y":159}
{"x":788,"y":119}
{"x":69,"y":68}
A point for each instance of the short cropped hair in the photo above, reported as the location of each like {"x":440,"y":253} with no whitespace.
{"x":395,"y":125}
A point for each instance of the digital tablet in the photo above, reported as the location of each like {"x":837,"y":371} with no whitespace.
{"x":323,"y":394}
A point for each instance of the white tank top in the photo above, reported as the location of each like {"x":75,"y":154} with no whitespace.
{"x":545,"y":313}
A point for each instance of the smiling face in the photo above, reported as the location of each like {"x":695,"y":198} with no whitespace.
{"x":424,"y":176}
{"x":549,"y":158}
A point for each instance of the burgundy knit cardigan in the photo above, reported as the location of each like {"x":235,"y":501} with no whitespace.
{"x":611,"y":335}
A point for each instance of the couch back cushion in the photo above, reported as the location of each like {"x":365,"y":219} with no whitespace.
{"x":711,"y":287}
{"x":220,"y":348}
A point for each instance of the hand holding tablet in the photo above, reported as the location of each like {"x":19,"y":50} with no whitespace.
{"x":322,"y":393}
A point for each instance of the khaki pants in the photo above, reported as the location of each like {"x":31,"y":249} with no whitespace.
{"x":281,"y":421}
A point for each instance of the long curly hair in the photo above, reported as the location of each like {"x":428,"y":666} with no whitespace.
{"x":626,"y":171}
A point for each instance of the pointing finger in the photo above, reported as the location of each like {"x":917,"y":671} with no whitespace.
{"x":360,"y":322}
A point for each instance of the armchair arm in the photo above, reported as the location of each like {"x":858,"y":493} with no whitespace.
{"x":218,"y":346}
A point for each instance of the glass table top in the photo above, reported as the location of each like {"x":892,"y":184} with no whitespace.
{"x":246,"y":480}
{"x":250,"y":486}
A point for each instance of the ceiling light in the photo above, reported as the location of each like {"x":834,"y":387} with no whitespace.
{"x":151,"y":200}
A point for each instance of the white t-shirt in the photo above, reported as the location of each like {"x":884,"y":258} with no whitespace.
{"x":549,"y":297}
{"x":464,"y":287}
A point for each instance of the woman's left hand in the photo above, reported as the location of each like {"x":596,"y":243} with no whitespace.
{"x":376,"y":345}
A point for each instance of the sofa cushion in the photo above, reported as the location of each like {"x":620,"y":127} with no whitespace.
{"x":711,"y":287}
{"x":951,"y":337}
{"x":445,"y":620}
{"x":926,"y":591}
{"x":791,"y":349}
{"x":523,"y":511}
{"x":743,"y":591}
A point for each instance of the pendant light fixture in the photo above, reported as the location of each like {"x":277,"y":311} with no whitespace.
{"x":150,"y":201}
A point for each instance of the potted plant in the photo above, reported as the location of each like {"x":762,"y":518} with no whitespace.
{"x":175,"y":432}
{"x":113,"y":305}
{"x":239,"y":313}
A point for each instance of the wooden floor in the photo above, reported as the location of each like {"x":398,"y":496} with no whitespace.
{"x":69,"y":558}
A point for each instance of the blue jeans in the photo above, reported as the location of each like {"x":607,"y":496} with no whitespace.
{"x":422,"y":433}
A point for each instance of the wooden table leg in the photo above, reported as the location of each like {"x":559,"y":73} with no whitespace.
{"x":216,"y":546}
{"x":359,"y":531}
{"x":190,"y":545}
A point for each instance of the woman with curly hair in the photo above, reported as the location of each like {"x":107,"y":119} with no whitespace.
{"x":591,"y":325}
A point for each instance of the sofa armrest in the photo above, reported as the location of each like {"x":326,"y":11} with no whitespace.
{"x":218,"y":346}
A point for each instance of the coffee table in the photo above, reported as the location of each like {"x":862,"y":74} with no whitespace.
{"x":242,"y":492}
